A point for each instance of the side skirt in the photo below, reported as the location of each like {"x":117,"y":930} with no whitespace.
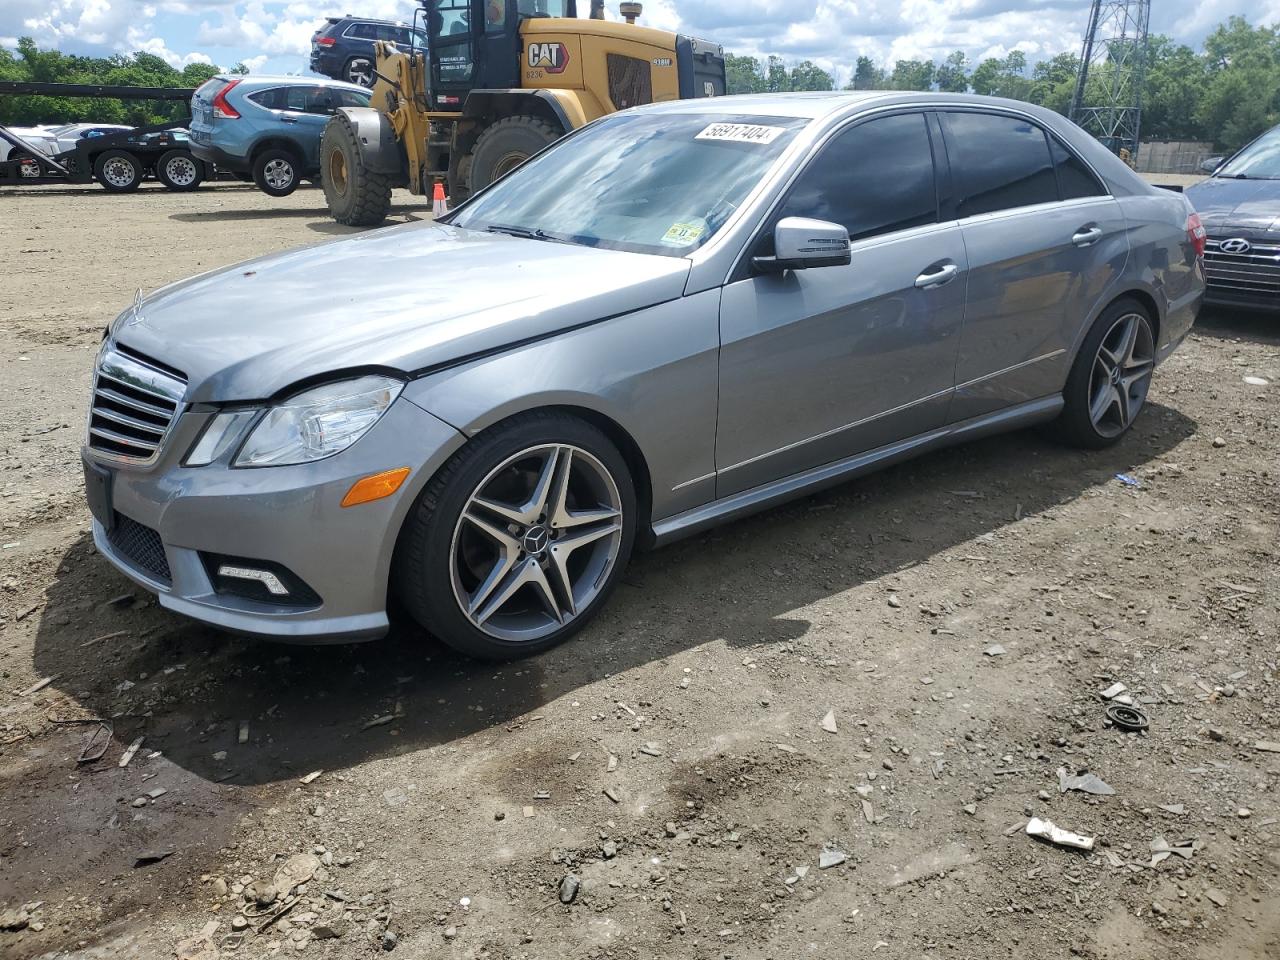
{"x":830,"y":474}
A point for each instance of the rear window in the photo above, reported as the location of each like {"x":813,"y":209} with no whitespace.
{"x":209,"y":89}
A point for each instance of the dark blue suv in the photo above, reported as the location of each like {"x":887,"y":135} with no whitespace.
{"x":343,"y":47}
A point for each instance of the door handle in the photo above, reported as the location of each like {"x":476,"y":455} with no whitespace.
{"x":288,"y":119}
{"x":1086,"y":236}
{"x":937,"y":275}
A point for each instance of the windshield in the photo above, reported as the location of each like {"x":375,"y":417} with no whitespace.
{"x":1260,"y":160}
{"x":647,"y":183}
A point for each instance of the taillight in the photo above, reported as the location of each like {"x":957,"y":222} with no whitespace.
{"x":1196,"y":233}
{"x":221,"y":108}
{"x":324,"y":41}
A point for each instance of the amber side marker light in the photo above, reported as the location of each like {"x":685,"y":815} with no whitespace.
{"x":375,"y":487}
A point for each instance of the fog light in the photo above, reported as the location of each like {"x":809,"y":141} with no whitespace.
{"x":264,"y":577}
{"x":375,"y":487}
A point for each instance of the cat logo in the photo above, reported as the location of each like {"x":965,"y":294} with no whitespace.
{"x":551,"y":57}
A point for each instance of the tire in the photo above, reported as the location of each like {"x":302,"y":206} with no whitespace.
{"x":444,"y":561}
{"x":359,"y":70}
{"x":506,"y":145}
{"x":1108,"y":383}
{"x":276,"y":172}
{"x":179,"y":170}
{"x":356,"y":195}
{"x":119,"y":171}
{"x":17,"y":156}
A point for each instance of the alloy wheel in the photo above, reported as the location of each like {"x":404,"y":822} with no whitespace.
{"x":1121,"y":375}
{"x":361,"y":72}
{"x":536,"y":542}
{"x":278,"y":174}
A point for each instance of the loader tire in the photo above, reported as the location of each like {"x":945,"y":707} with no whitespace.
{"x":356,"y":195}
{"x":506,"y":145}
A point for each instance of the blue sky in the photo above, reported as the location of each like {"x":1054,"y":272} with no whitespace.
{"x":274,"y":36}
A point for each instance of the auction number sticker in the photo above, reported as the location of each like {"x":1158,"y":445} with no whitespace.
{"x":741,"y":133}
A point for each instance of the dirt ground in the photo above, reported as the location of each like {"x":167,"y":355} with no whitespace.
{"x":959,"y":615}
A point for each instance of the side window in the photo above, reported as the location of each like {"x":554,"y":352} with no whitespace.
{"x":1074,"y":178}
{"x":273,"y":99}
{"x":874,"y":178}
{"x":998,"y":163}
{"x":362,"y":31}
{"x":387,"y":32}
{"x":310,"y":100}
{"x":349,"y":98}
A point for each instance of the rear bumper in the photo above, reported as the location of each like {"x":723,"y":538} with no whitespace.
{"x":220,"y":158}
{"x":327,"y":63}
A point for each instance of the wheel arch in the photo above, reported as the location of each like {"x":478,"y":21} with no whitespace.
{"x":1140,"y":293}
{"x":484,"y":108}
{"x":276,"y":142}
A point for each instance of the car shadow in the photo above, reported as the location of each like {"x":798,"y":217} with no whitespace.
{"x":323,"y":223}
{"x":189,"y":689}
{"x":1222,"y":323}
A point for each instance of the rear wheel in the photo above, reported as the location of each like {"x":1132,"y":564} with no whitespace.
{"x":506,"y":145}
{"x":119,"y":171}
{"x":356,"y":195}
{"x":359,"y":70}
{"x":516,"y":543}
{"x":28,"y":165}
{"x":276,"y":172}
{"x":1109,"y":380}
{"x":179,"y":170}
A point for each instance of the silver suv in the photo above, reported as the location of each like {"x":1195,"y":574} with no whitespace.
{"x":674,"y":317}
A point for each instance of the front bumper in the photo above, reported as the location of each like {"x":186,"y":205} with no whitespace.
{"x":289,"y":517}
{"x":1240,"y":299}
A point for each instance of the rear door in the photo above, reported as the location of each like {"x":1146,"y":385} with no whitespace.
{"x":820,"y":364}
{"x":1044,"y":242}
{"x":307,"y":109}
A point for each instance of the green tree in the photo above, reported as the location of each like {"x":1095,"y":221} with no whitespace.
{"x":807,"y":75}
{"x":912,"y":75}
{"x":743,"y":74}
{"x":952,"y":75}
{"x":867,"y":76}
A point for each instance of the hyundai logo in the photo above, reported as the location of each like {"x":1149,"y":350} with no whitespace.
{"x":1235,"y":245}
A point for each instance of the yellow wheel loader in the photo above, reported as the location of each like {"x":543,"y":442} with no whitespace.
{"x":499,"y":81}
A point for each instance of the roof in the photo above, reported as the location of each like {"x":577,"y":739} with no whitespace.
{"x":309,"y":80}
{"x":818,"y":104}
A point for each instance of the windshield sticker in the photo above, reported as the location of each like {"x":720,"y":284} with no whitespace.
{"x":741,"y":133}
{"x":685,"y":234}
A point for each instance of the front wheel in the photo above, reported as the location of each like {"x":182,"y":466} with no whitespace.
{"x":1109,"y":380}
{"x":516,"y":543}
{"x":179,"y":170}
{"x":359,"y":70}
{"x":276,"y":172}
{"x":119,"y":171}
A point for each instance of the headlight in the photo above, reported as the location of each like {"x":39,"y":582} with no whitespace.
{"x":318,"y":423}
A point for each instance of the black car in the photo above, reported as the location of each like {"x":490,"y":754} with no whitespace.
{"x":343,"y":47}
{"x":1239,"y":207}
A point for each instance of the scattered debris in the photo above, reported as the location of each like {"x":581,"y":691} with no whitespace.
{"x":1217,"y":896}
{"x":389,"y":940}
{"x":612,"y":794}
{"x":130,"y":750}
{"x":242,"y":736}
{"x":1270,"y":746}
{"x":15,"y":918}
{"x":971,"y":809}
{"x":1112,"y":691}
{"x":1088,"y":783}
{"x":542,"y":795}
{"x":1219,"y":442}
{"x":200,"y":946}
{"x":1047,"y":830}
{"x":297,"y":870}
{"x":829,"y":722}
{"x":148,"y":857}
{"x":38,"y":686}
{"x":651,"y":750}
{"x":528,"y":812}
{"x":96,"y":746}
{"x":1128,"y":718}
{"x":1256,"y":381}
{"x":612,"y":764}
{"x":1127,"y":480}
{"x":609,"y":849}
{"x":894,"y":601}
{"x":1162,"y":849}
{"x":995,"y":650}
{"x":867,"y":813}
{"x":569,"y":888}
{"x":311,"y":777}
{"x":830,"y":858}
{"x":381,"y":721}
{"x":1174,"y":808}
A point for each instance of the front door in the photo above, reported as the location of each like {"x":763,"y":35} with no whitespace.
{"x":820,"y":364}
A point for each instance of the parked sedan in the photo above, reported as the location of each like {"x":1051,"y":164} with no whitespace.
{"x":676,"y":316}
{"x":1239,"y":206}
{"x":267,"y":128}
{"x":53,"y":139}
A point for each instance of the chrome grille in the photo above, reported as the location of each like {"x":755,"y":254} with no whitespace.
{"x":1256,"y":270}
{"x":135,"y":402}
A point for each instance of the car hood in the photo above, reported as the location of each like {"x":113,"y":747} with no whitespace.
{"x":1250,"y":207}
{"x":406,"y":298}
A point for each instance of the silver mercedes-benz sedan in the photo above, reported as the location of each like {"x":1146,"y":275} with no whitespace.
{"x":678,"y":315}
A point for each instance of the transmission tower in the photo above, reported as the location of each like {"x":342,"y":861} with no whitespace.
{"x":1113,"y":64}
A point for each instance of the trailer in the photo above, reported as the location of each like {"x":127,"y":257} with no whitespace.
{"x":118,"y":161}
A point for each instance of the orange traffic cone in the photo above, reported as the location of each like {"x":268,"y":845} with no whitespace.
{"x":438,"y":205}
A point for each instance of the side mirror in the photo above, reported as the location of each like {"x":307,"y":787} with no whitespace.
{"x":1210,"y":165}
{"x":800,"y":244}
